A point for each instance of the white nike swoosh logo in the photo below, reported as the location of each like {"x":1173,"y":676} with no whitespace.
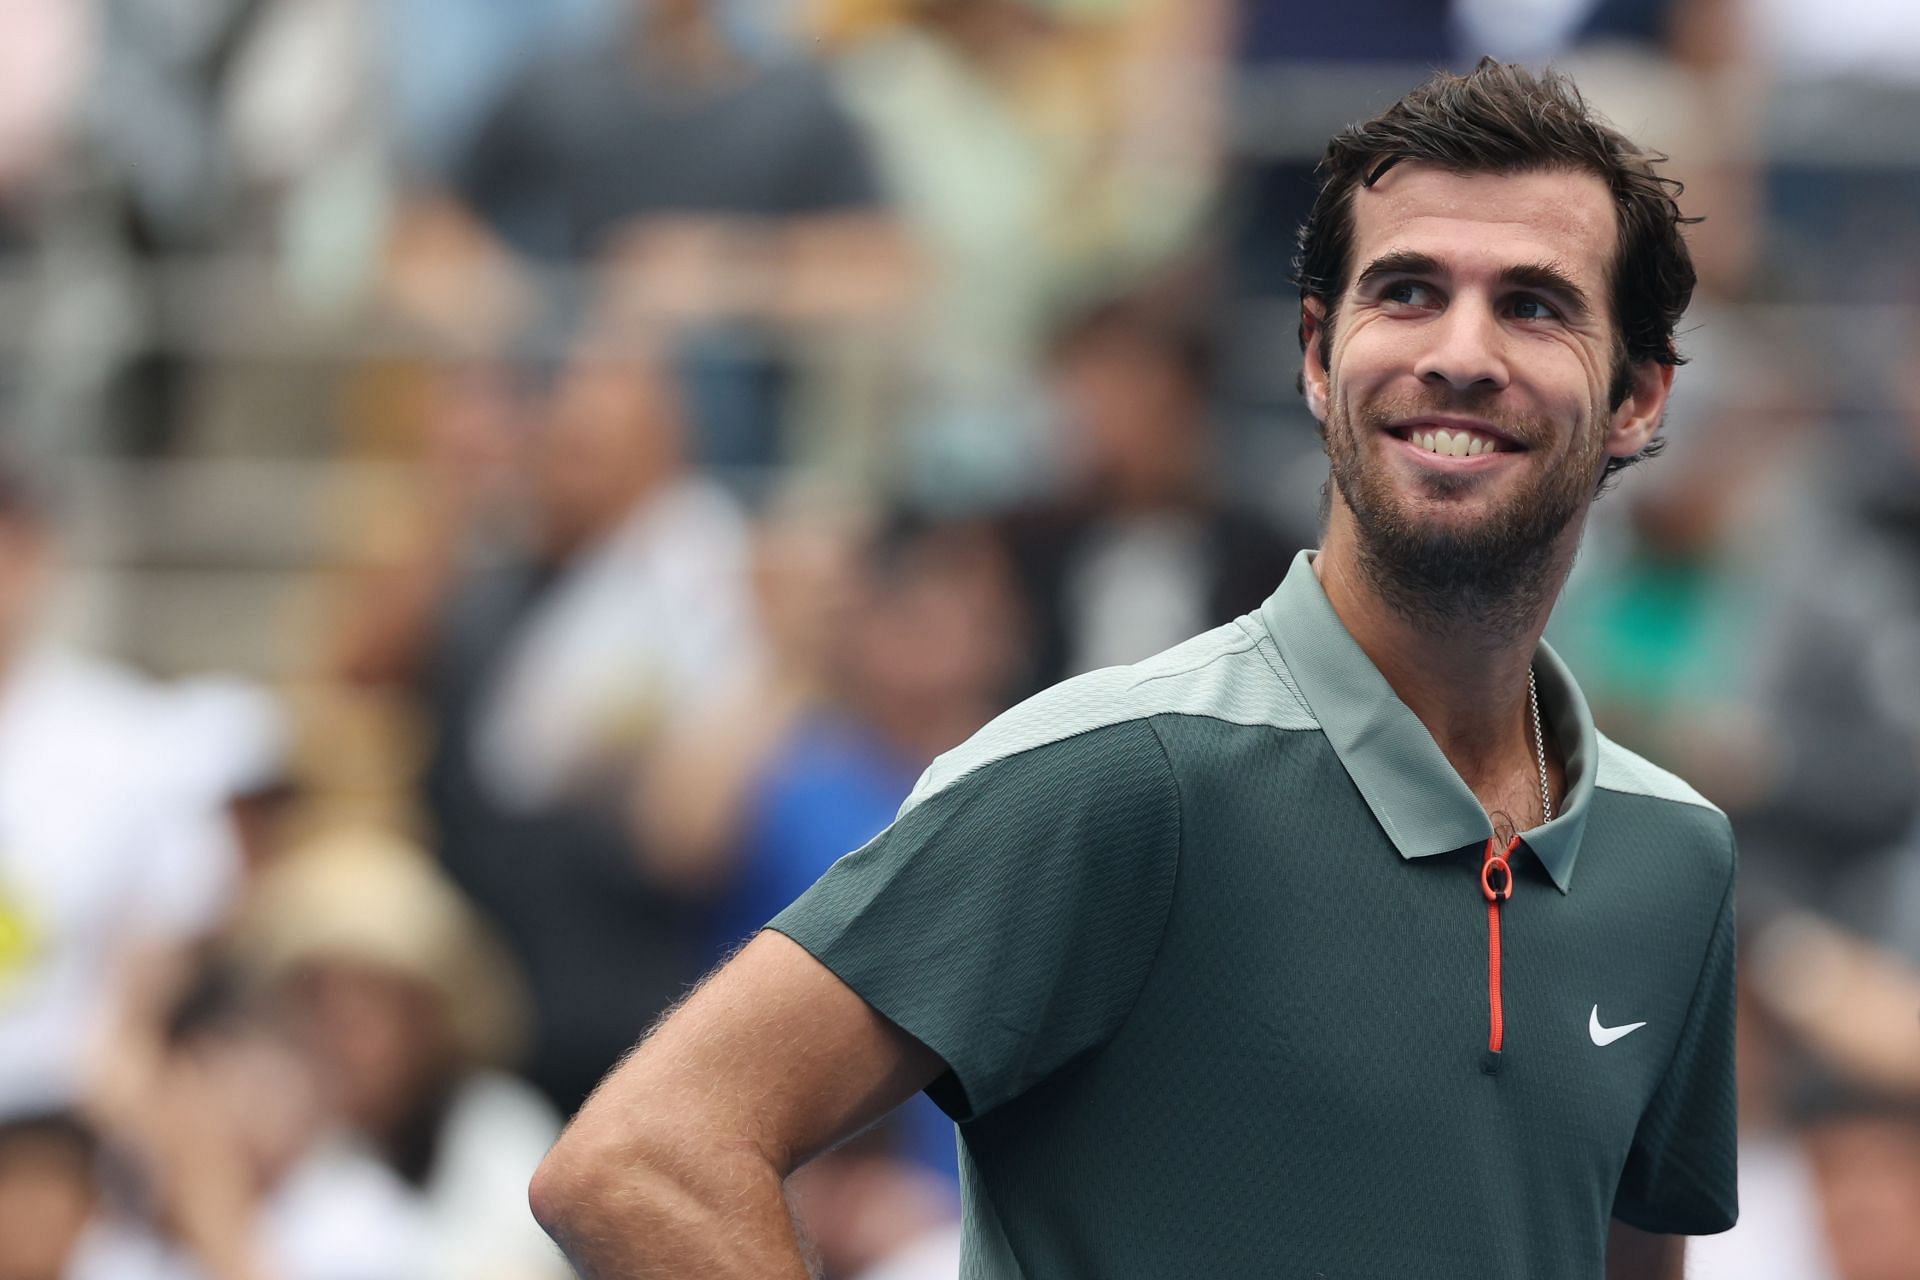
{"x":1607,"y":1035}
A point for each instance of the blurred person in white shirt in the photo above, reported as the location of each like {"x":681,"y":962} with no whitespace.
{"x":226,"y":1162}
{"x":115,"y":855}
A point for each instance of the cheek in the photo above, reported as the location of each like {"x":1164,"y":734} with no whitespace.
{"x":1366,"y":352}
{"x":1585,"y":371}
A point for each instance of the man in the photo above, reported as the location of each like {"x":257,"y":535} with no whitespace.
{"x":546,"y":662}
{"x":1304,"y":948}
{"x":1143,"y":548}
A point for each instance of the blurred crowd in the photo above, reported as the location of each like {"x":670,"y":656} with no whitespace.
{"x":711,"y":410}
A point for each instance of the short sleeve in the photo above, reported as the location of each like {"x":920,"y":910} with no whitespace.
{"x":1680,"y":1173}
{"x":1009,"y":919}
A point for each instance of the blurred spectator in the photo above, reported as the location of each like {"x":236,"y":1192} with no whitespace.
{"x":1866,"y":1157}
{"x":812,"y":757}
{"x":407,"y":1008}
{"x":1143,"y":549}
{"x":1780,"y":1235}
{"x":808,"y":548}
{"x":546,"y":673}
{"x":871,"y":1216}
{"x":724,"y":195}
{"x":671,"y":120}
{"x":1849,"y":1003}
{"x":43,"y":65}
{"x":1884,"y":517}
{"x":114,"y":855}
{"x":887,"y":646}
{"x":447,"y":62}
{"x":48,"y":1192}
{"x":1041,"y":152}
{"x":233,"y":1169}
{"x":642,"y":612}
{"x":1740,"y":628}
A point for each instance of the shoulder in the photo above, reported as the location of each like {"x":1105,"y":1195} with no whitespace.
{"x":1628,"y":773}
{"x":1675,"y":801}
{"x":1228,"y":674}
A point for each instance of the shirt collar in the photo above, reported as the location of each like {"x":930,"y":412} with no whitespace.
{"x":1414,"y":793}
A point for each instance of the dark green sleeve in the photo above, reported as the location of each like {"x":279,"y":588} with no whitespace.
{"x":1679,"y":1177}
{"x":1009,"y":920}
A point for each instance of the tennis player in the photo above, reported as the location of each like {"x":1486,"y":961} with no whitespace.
{"x":1334,"y":943}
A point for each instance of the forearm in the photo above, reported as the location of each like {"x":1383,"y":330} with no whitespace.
{"x":715,"y":1215}
{"x":676,"y":1166}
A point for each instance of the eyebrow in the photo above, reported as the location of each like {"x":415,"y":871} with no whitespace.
{"x":1544,"y":277}
{"x":1548,"y":277}
{"x":1401,"y":262}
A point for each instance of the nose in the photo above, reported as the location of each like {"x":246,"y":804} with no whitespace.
{"x":1467,"y":351}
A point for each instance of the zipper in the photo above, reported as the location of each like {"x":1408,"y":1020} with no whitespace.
{"x":1496,"y":885}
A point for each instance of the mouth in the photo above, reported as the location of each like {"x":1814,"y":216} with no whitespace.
{"x":1454,"y":440}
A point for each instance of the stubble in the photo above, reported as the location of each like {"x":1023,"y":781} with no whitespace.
{"x":1494,"y":574}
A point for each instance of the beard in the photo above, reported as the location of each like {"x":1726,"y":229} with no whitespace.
{"x":1494,"y":573}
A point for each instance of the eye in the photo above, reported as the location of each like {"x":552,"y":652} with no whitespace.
{"x":1529,"y":307}
{"x":1411,"y":293}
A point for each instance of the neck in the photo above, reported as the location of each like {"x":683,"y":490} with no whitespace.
{"x":1464,"y":678}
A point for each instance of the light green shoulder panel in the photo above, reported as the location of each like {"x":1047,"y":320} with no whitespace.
{"x":1622,"y":771}
{"x":1228,"y":674}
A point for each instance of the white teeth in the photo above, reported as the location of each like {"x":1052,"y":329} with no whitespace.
{"x":1452,"y":444}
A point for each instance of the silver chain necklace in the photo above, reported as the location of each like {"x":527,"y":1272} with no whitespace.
{"x":1540,"y":749}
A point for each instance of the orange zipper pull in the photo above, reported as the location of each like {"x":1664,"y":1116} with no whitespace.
{"x":1496,"y":885}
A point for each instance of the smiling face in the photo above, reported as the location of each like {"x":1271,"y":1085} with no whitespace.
{"x":1468,"y":389}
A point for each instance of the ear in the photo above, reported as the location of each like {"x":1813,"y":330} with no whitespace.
{"x":1313,"y":369}
{"x":1638,"y":418}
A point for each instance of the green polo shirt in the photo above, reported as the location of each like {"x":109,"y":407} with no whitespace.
{"x":1203,"y":943}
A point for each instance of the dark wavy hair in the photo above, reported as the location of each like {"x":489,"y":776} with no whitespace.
{"x":1501,"y":118}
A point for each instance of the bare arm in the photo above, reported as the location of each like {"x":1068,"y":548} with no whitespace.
{"x":1637,"y":1255}
{"x":674,"y":1167}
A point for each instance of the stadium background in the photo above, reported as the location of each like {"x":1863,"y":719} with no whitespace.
{"x":497,"y":496}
